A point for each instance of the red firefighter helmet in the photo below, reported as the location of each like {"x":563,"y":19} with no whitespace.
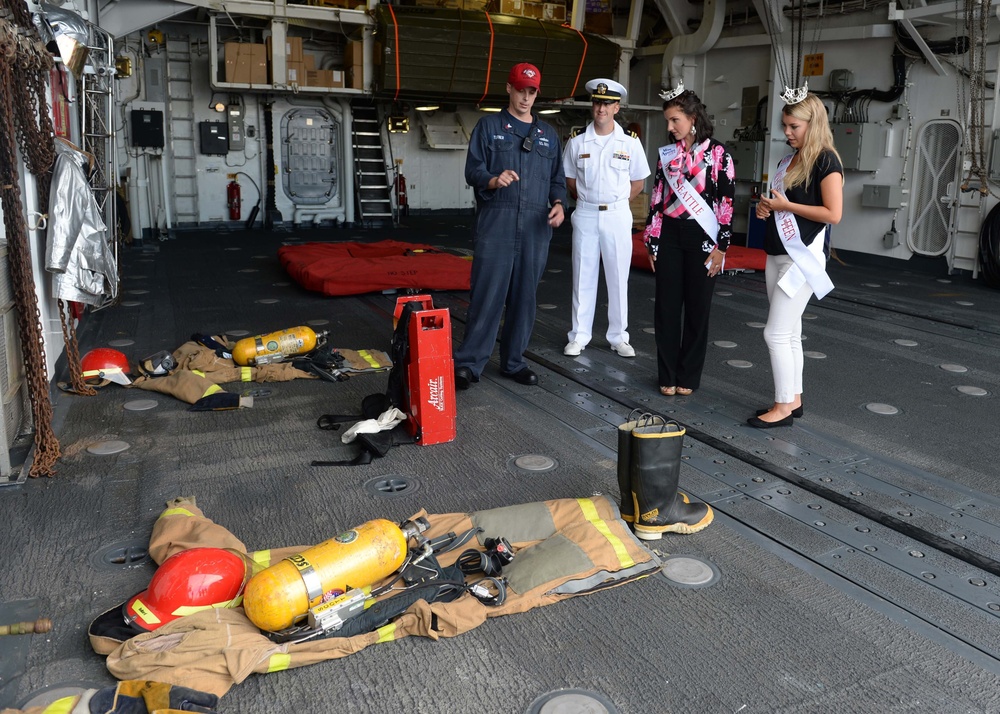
{"x":187,"y":582}
{"x":104,"y":365}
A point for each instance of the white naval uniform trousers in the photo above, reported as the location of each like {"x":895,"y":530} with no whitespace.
{"x":602,"y":226}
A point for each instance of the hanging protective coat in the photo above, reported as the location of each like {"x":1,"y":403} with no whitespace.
{"x":78,"y":252}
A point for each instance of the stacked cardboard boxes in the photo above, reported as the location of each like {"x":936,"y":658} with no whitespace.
{"x":548,"y":11}
{"x":245,"y":63}
{"x":294,"y":62}
{"x":253,"y":64}
{"x":452,"y":4}
{"x":354,"y":62}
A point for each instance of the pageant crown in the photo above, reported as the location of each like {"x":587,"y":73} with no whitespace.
{"x":667,"y":95}
{"x":794,"y":96}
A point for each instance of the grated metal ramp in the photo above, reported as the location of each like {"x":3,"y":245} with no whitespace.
{"x":819,"y":606}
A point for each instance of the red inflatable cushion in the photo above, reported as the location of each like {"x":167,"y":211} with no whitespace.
{"x":356,"y":268}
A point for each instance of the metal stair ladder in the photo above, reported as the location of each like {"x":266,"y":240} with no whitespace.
{"x":371,"y":180}
{"x":183,"y":151}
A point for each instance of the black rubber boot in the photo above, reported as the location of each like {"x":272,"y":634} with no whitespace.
{"x":656,"y":468}
{"x":627,"y":506}
{"x":636,"y":419}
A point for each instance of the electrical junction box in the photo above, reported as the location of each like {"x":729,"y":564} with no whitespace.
{"x":235,"y":115}
{"x":841,"y":80}
{"x":147,"y":128}
{"x":858,"y":145}
{"x":874,"y":195}
{"x":214,"y":138}
{"x":747,"y":159}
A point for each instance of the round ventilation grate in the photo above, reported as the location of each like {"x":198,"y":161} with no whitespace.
{"x":534,"y":463}
{"x":688,"y":572}
{"x":133,"y":553}
{"x":393,"y":485}
{"x":572,"y":701}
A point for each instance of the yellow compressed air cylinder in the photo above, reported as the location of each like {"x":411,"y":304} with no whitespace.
{"x":274,"y":347}
{"x":283,"y":593}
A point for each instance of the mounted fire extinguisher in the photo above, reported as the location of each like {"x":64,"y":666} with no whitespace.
{"x":234,"y":200}
{"x":401,"y":202}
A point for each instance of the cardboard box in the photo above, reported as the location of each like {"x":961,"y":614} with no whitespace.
{"x":601,"y":23}
{"x":296,"y":73}
{"x":640,"y":210}
{"x":532,"y":10}
{"x":553,"y":12}
{"x":309,"y":61}
{"x":506,"y":7}
{"x":331,"y":78}
{"x":245,"y":63}
{"x":293,"y":49}
{"x":478,"y":5}
{"x":354,"y":54}
{"x":354,"y":78}
{"x":354,"y":62}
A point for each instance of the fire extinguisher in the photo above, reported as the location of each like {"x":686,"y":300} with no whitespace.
{"x":404,"y":207}
{"x":234,"y":200}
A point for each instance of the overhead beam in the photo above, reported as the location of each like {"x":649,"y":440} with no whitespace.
{"x":932,"y":60}
{"x":280,"y":9}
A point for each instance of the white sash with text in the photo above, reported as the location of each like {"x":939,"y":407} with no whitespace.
{"x":807,"y":268}
{"x":691,"y":199}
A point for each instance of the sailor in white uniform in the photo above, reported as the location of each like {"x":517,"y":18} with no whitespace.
{"x":605,"y":167}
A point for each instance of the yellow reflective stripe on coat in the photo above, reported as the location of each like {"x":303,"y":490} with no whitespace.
{"x":279,"y":662}
{"x":246,"y":374}
{"x":261,"y":557}
{"x":591,"y":514}
{"x":176,"y":512}
{"x":366,"y":356}
{"x":185,"y":610}
{"x":386,"y":633}
{"x":214,"y":389}
{"x":62,"y":706}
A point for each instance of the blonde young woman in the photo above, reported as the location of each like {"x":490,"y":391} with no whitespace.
{"x":806,"y":196}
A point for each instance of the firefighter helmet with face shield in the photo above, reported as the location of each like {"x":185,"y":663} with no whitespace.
{"x":104,"y":365}
{"x":188,"y":582}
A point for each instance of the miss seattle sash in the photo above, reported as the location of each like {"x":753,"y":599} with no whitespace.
{"x":691,"y":199}
{"x":807,"y":267}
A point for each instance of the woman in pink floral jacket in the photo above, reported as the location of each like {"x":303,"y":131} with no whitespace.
{"x":687,"y":234}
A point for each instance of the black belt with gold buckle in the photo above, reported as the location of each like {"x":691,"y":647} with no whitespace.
{"x":602,"y":207}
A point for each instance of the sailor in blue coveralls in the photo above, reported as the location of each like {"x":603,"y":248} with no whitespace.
{"x":515,"y":166}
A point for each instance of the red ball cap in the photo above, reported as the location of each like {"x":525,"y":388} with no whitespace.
{"x":524,"y":75}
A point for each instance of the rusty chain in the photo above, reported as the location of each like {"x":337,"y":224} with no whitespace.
{"x":21,"y":98}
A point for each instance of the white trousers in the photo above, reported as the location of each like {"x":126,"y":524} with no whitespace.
{"x":783,"y":333}
{"x":600,"y":235}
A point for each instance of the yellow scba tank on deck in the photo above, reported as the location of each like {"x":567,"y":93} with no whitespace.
{"x":274,"y":347}
{"x":279,"y":595}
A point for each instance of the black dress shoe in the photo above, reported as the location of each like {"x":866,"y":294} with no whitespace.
{"x":464,"y":378}
{"x":796,"y":412}
{"x":525,"y":376}
{"x":758,"y":423}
